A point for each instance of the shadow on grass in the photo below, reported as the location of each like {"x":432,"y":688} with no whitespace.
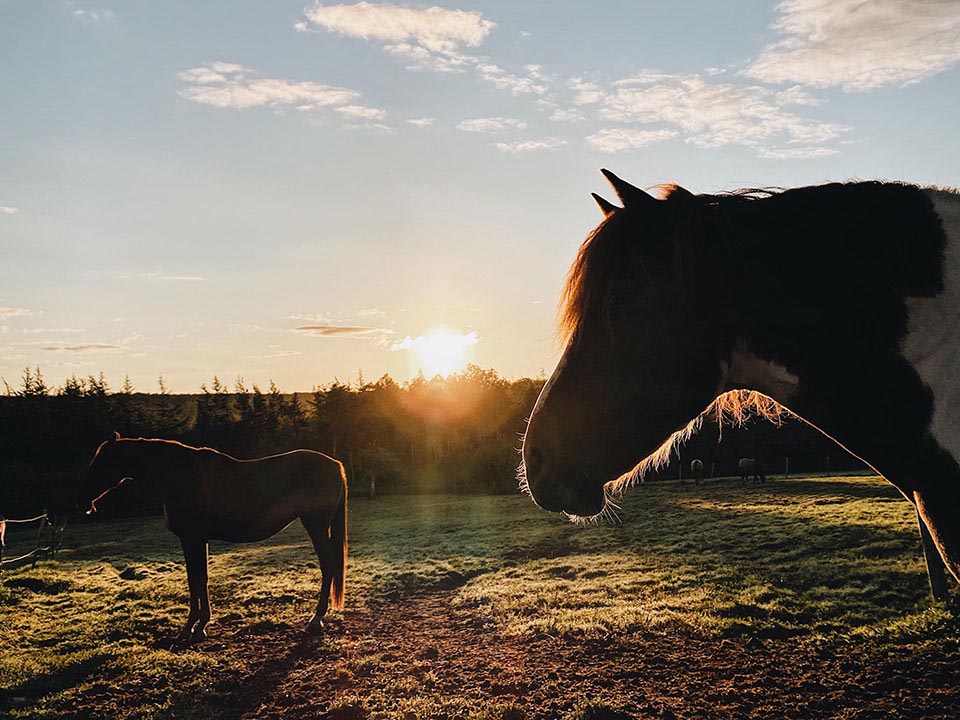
{"x":276,"y":658}
{"x":66,"y":677}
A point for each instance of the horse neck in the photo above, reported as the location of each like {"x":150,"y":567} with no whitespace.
{"x":148,"y":462}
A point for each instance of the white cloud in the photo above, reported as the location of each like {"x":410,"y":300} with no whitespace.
{"x":432,"y":37}
{"x":422,"y":122}
{"x":312,"y":317}
{"x":10,"y":312}
{"x":586,"y":93}
{"x":525,"y":146}
{"x":8,"y":210}
{"x":40,"y":331}
{"x":370,"y":312}
{"x":565,"y":115}
{"x":711,"y":114}
{"x":860,"y":45}
{"x":95,"y":17}
{"x":227,"y":85}
{"x":361,"y":112}
{"x":619,"y":139}
{"x":490,"y":124}
{"x":795,"y":153}
{"x":533,"y":83}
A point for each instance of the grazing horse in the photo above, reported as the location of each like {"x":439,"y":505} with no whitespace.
{"x":208,"y":495}
{"x":752,"y":469}
{"x":696,"y":469}
{"x":855,"y":332}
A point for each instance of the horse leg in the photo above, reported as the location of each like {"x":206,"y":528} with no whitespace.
{"x":195,"y":554}
{"x":940,"y":535}
{"x":319,"y":530}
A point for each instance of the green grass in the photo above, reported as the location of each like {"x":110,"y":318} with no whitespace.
{"x":825,"y":560}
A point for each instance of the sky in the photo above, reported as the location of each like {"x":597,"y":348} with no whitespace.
{"x":301,"y":192}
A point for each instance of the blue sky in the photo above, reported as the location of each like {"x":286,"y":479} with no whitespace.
{"x":298,"y":192}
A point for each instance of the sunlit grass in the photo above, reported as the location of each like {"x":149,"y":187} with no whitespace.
{"x":826,"y":559}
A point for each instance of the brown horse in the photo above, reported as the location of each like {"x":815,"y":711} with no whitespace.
{"x":854,"y":331}
{"x":208,"y":495}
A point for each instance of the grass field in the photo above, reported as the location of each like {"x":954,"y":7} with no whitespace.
{"x":800,"y":598}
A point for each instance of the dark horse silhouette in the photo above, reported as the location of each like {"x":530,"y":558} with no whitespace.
{"x":752,"y":469}
{"x":208,"y":495}
{"x":856,"y":334}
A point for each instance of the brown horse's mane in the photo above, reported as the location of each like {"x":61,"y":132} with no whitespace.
{"x":586,"y":293}
{"x":178,"y":444}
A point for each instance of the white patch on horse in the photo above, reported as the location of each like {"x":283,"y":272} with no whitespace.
{"x":751,"y":372}
{"x":549,"y":384}
{"x":932,"y":342}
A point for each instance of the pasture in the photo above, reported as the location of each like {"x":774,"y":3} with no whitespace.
{"x":803,"y":598}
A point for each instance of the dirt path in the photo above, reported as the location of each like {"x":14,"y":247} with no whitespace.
{"x":423,"y":657}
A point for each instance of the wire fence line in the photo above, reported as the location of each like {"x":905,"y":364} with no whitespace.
{"x":49,"y":531}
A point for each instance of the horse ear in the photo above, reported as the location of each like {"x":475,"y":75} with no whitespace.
{"x":630,"y":195}
{"x":116,"y":436}
{"x":606,"y":207}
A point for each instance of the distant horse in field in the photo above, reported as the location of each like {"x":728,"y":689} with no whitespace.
{"x":752,"y":469}
{"x":696,"y":469}
{"x":856,"y":335}
{"x":208,"y":495}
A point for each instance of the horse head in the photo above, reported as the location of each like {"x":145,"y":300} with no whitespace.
{"x":645,"y":342}
{"x":107,"y":471}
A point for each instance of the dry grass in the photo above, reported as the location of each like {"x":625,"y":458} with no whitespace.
{"x":824,"y":560}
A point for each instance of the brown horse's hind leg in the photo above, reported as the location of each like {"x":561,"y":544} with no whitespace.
{"x":195,"y":554}
{"x":319,"y":530}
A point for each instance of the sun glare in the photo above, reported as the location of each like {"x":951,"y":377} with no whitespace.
{"x":439,"y":352}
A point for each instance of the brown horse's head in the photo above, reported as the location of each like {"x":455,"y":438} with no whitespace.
{"x":107,"y":470}
{"x":643,"y":353}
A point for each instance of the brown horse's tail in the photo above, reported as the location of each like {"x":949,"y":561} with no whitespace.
{"x":338,"y":536}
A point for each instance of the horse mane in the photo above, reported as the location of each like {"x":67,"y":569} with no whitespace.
{"x":180,"y":445}
{"x":735,"y":408}
{"x":586,"y":292}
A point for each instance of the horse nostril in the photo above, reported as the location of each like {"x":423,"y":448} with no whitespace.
{"x":533,"y":462}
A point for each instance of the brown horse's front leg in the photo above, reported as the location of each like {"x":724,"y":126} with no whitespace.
{"x":195,"y":554}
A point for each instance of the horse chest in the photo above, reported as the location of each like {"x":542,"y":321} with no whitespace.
{"x":932,"y":342}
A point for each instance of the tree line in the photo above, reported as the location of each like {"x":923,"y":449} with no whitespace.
{"x":458,"y":434}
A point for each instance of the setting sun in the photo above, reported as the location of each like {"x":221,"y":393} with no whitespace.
{"x":439,"y":352}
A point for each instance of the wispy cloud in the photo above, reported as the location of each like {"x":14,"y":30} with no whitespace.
{"x":490,"y":124}
{"x":422,"y":122}
{"x":311,"y":317}
{"x":361,"y":112}
{"x":708,"y":113}
{"x":228,"y":85}
{"x":87,"y":347}
{"x":344,"y":331}
{"x":95,"y":17}
{"x":164,"y":277}
{"x":51,"y":331}
{"x":432,"y":38}
{"x":278,"y":354}
{"x":11,"y":312}
{"x":370,"y":313}
{"x":9,"y":210}
{"x":619,"y":139}
{"x":518,"y":147}
{"x":860,"y":45}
